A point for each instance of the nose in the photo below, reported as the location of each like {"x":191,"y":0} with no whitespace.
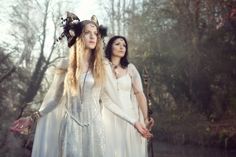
{"x":122,"y":47}
{"x":93,"y":36}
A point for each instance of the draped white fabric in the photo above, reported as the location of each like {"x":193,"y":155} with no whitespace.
{"x":122,"y":139}
{"x":69,"y":128}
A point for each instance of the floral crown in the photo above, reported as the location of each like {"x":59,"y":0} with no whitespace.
{"x":72,"y":27}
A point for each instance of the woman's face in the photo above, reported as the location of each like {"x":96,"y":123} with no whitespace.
{"x":90,"y":36}
{"x":119,"y":48}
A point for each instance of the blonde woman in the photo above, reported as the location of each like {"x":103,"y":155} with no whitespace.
{"x":70,"y":122}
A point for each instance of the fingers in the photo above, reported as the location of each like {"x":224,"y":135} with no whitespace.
{"x":152,"y":121}
{"x":17,"y":127}
{"x":142,"y":131}
{"x":145,"y":132}
{"x":18,"y":121}
{"x":14,"y":126}
{"x":21,"y":125}
{"x":14,"y":129}
{"x":150,"y":124}
{"x":148,"y":135}
{"x":140,"y":128}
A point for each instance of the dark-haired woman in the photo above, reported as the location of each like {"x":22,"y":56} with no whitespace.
{"x":123,"y":139}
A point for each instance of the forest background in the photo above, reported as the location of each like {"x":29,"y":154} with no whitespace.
{"x":185,"y":51}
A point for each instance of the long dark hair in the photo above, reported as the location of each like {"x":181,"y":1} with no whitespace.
{"x":108,"y":51}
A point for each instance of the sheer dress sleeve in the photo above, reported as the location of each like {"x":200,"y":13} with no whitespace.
{"x":136,"y":79}
{"x":55,"y":92}
{"x":138,"y":95}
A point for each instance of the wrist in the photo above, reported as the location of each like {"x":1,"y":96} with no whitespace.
{"x":35,"y":116}
{"x":146,"y":118}
{"x":136,"y":123}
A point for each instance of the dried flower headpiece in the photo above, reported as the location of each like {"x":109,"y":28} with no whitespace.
{"x":72,"y":27}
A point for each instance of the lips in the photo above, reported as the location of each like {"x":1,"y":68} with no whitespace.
{"x":92,"y":42}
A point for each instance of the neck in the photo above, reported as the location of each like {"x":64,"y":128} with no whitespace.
{"x":86,"y":56}
{"x":115,"y":60}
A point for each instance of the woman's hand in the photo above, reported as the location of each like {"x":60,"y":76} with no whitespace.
{"x":142,"y":130}
{"x":149,"y":123}
{"x":22,"y":125}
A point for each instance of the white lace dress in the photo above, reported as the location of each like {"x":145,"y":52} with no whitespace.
{"x":70,"y":128}
{"x":122,"y":139}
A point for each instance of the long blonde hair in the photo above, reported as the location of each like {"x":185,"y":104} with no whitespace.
{"x":76,"y":60}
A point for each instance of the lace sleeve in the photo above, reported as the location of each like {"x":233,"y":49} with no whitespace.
{"x":138,"y":90}
{"x":55,"y":91}
{"x":136,"y":79}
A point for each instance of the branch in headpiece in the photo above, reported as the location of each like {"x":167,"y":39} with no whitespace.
{"x":103,"y":31}
{"x":72,"y":28}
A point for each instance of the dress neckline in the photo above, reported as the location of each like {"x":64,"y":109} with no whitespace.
{"x":122,"y":76}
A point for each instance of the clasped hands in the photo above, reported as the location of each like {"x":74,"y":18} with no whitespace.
{"x":145,"y":131}
{"x":149,"y":122}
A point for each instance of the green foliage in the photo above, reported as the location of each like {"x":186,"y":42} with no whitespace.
{"x":183,"y":48}
{"x":188,"y":48}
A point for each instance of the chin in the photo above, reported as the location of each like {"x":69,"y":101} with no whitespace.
{"x":91,"y":47}
{"x":120,"y":55}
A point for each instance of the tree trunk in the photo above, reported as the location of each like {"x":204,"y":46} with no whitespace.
{"x":39,"y":70}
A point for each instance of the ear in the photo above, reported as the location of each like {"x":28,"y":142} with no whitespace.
{"x":94,"y":19}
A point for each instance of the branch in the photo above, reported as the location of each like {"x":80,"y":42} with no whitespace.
{"x":52,"y":61}
{"x":5,"y":57}
{"x":7,"y":74}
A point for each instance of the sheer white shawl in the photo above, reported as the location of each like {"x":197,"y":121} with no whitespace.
{"x":47,"y":130}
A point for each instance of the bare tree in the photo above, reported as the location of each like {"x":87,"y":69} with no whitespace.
{"x":112,"y":18}
{"x":25,"y":30}
{"x":43,"y":61}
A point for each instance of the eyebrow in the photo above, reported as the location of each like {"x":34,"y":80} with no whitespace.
{"x":87,"y":30}
{"x":120,"y":41}
{"x":92,"y":25}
